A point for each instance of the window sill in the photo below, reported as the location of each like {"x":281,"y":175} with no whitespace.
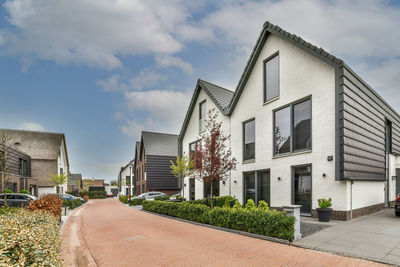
{"x":271,"y":100}
{"x":292,"y":154}
{"x":248,"y":161}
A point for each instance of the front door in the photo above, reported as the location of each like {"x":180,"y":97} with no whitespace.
{"x":192,"y":188}
{"x":302,"y":189}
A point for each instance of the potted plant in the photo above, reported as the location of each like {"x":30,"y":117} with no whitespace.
{"x":324,"y":211}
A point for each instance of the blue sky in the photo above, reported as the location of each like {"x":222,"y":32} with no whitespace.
{"x":101,"y":71}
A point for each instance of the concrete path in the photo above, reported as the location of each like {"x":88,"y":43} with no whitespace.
{"x":374,"y":237}
{"x":107,"y":233}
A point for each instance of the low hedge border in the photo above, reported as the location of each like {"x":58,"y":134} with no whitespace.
{"x":135,"y":201}
{"x":72,"y":203}
{"x":256,"y":221}
{"x":263,"y":237}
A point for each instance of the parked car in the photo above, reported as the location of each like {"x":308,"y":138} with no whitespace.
{"x":110,"y":195}
{"x":16,"y":199}
{"x":65,"y":196}
{"x":150,"y":195}
{"x":397,"y":205}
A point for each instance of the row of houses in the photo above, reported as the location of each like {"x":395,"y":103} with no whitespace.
{"x":32,"y":158}
{"x":303,"y":126}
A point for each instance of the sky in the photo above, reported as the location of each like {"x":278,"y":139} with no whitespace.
{"x":101,"y":71}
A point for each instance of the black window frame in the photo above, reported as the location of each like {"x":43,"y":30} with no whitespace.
{"x":265,"y":61}
{"x":243,"y":140}
{"x":200,"y":118}
{"x":291,"y":105}
{"x":23,"y":168}
{"x":389,"y":137}
{"x":196,"y":143}
{"x":256,"y":178}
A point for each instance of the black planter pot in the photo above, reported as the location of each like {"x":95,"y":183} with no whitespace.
{"x":324,"y":215}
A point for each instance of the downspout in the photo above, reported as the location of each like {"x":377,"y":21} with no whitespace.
{"x":351,"y":200}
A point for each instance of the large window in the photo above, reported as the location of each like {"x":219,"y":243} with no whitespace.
{"x":207,"y":189}
{"x":202,"y":116}
{"x":292,"y":130}
{"x":249,"y":140}
{"x":271,"y":78}
{"x":193,"y":148}
{"x":23,"y":168}
{"x":257,"y":186}
{"x":302,"y":188}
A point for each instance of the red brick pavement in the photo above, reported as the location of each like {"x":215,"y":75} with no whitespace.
{"x":107,"y":233}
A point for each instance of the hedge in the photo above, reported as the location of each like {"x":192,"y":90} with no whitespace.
{"x":29,"y":239}
{"x":257,"y":221}
{"x":72,"y":203}
{"x":123,"y":199}
{"x":162,"y":198}
{"x":135,"y":201}
{"x":217,"y":201}
{"x":97,"y":194}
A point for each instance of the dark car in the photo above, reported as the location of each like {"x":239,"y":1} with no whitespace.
{"x":397,"y":205}
{"x":16,"y":199}
{"x":68,"y":197}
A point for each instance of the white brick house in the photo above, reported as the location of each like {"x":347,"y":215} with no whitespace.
{"x":303,"y":126}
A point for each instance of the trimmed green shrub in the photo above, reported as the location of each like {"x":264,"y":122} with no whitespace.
{"x":4,"y":210}
{"x":216,"y":201}
{"x":237,"y":206}
{"x":24,"y":191}
{"x":135,"y":201}
{"x":8,"y":191}
{"x":83,"y":193}
{"x":162,"y":198}
{"x":29,"y":239}
{"x":262,"y":205}
{"x":257,"y":221}
{"x":325,"y":203}
{"x":97,"y":194}
{"x":72,"y":203}
{"x":250,"y":205}
{"x":123,"y":199}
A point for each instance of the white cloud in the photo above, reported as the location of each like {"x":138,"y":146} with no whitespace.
{"x":171,"y":61}
{"x":95,"y":32}
{"x":31,"y":126}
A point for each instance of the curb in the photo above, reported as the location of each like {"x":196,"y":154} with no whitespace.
{"x":262,"y":237}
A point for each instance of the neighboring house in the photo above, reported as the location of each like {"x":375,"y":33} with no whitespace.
{"x":75,"y":182}
{"x":95,"y":184}
{"x":48,"y":152}
{"x":18,"y":171}
{"x":152,"y":163}
{"x":126,"y":179}
{"x":303,"y":126}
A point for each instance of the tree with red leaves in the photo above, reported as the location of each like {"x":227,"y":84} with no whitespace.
{"x":213,"y":158}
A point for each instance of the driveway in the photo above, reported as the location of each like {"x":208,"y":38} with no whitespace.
{"x":374,"y":237}
{"x":108,"y":233}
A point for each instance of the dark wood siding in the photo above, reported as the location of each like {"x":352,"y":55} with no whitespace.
{"x":362,"y":129}
{"x":158,"y":173}
{"x":13,"y":161}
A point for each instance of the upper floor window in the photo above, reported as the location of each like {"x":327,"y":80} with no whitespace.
{"x":202,"y":116}
{"x":249,"y":140}
{"x":193,"y":148}
{"x":23,"y":168}
{"x":292,"y":128}
{"x":389,"y":137}
{"x":271,"y":78}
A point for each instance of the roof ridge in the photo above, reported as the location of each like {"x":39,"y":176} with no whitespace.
{"x":231,"y":91}
{"x":158,"y":133}
{"x":19,"y":130}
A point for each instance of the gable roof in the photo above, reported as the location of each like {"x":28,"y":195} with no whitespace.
{"x":269,"y":28}
{"x":221,"y":97}
{"x":159,"y":144}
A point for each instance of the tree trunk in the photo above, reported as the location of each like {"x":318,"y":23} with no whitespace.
{"x":182,"y":186}
{"x":211,"y":194}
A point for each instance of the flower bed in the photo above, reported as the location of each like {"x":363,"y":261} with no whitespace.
{"x":260,"y":221}
{"x":29,"y":239}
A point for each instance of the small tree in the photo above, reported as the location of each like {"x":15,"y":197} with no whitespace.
{"x":4,"y":146}
{"x":58,"y":179}
{"x":213,"y":158}
{"x":184,"y":167}
{"x":86,"y":183}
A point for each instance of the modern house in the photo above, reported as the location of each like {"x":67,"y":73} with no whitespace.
{"x":18,"y":171}
{"x":126,"y":179}
{"x":303,"y":126}
{"x":152,"y":163}
{"x":75,"y":182}
{"x":48,"y":152}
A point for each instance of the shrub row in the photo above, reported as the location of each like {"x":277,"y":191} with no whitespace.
{"x":253,"y":220}
{"x":123,"y":199}
{"x":135,"y":201}
{"x":215,"y":201}
{"x":29,"y":239}
{"x":162,"y":198}
{"x":97,"y":194}
{"x":72,"y":203}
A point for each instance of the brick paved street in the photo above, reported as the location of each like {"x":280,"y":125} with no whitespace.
{"x":107,"y":233}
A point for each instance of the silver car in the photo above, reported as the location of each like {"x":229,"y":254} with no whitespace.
{"x":16,"y":199}
{"x":150,"y":195}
